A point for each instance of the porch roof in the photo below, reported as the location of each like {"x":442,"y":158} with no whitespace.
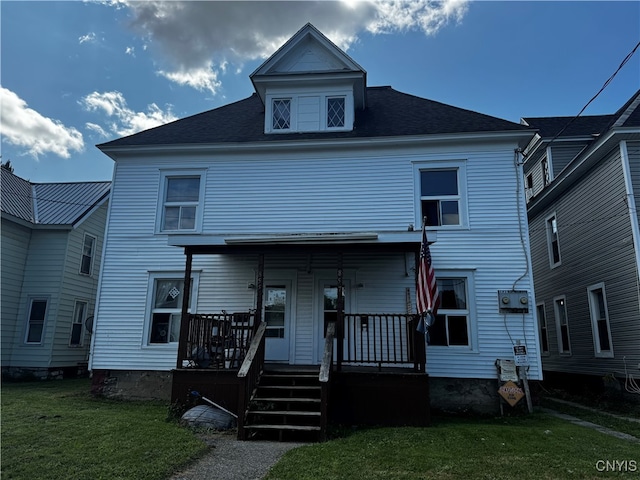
{"x":405,"y":241}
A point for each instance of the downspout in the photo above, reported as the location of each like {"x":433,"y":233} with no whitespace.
{"x":631,"y":205}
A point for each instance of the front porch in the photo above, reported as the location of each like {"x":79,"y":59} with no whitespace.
{"x":370,"y":367}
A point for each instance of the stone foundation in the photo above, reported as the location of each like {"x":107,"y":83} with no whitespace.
{"x":33,"y":373}
{"x":465,"y":395}
{"x":132,"y":385}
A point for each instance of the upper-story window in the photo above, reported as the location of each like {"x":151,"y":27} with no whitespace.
{"x":281,"y":114}
{"x":544,"y":166}
{"x":88,"y":247}
{"x":553,"y":241}
{"x":529,"y":186}
{"x":335,"y":112}
{"x":440,"y":197}
{"x":181,"y":197}
{"x":309,"y":111}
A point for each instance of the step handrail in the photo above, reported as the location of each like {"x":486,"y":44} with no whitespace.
{"x":249,"y":375}
{"x":325,"y":377}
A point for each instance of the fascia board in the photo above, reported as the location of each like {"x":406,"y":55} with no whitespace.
{"x":520,"y":137}
{"x":573,"y":171}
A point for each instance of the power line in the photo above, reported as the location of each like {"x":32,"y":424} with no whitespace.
{"x":605,"y":85}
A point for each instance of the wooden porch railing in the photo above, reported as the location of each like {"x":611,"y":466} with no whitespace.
{"x":387,"y":339}
{"x":218,"y":340}
{"x":249,"y":374}
{"x":326,"y":368}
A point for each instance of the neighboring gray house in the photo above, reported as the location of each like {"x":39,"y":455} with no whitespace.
{"x":582,"y":180}
{"x":52,"y":235}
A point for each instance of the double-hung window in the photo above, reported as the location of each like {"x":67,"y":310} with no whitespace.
{"x":553,"y":241}
{"x":544,"y":331}
{"x":88,"y":248}
{"x":181,"y":197}
{"x":166,"y":307}
{"x":600,"y":321}
{"x":77,"y":323}
{"x":452,"y":325}
{"x":562,"y":325}
{"x":35,"y":320}
{"x":440,"y":196}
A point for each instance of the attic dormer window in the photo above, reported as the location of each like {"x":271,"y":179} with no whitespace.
{"x":335,"y":112}
{"x":281,"y":114}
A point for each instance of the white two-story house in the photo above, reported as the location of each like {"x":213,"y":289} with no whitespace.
{"x":301,"y":207}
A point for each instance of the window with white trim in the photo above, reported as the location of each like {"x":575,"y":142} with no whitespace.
{"x":544,"y":331}
{"x":77,"y":323}
{"x":86,"y":260}
{"x":281,"y":114}
{"x":440,"y":196}
{"x":562,"y":325}
{"x":544,"y":167}
{"x":335,"y":112}
{"x":166,"y":307}
{"x":601,"y":328}
{"x":553,"y":241}
{"x":181,"y":202}
{"x":452,"y":325}
{"x":35,"y":320}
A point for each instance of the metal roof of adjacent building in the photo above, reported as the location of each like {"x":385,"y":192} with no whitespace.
{"x":49,"y":203}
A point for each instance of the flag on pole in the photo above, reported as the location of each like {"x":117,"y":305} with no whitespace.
{"x":427,"y":297}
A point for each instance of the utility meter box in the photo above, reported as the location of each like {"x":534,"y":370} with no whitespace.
{"x":513,"y":301}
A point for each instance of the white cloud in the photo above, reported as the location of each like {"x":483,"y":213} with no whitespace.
{"x":205,"y":78}
{"x":89,"y":37}
{"x":37,"y":134}
{"x":123,"y":120}
{"x":194,"y":36}
{"x":130,"y":51}
{"x":97,"y":129}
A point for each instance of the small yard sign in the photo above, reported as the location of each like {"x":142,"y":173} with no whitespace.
{"x":511,"y":392}
{"x":520,"y":353}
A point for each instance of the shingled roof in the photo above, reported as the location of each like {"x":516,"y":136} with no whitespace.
{"x":549,"y":127}
{"x":49,"y":203}
{"x":388,"y":113}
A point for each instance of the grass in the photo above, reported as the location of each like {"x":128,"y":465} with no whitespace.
{"x":54,"y":430}
{"x":526,"y":447}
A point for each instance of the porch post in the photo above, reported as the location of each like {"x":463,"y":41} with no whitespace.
{"x":259,"y":290}
{"x":340,"y":314}
{"x":184,"y":319}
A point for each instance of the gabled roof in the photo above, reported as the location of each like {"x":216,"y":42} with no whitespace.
{"x":307,"y":54}
{"x":49,"y":203}
{"x":389,"y":113}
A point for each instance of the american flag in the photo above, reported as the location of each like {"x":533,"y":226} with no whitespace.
{"x":427,"y":297}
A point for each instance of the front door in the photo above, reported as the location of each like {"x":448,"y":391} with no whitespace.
{"x":277,"y":314}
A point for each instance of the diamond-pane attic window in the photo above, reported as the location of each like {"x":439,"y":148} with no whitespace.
{"x":282,"y":114}
{"x":335,"y":112}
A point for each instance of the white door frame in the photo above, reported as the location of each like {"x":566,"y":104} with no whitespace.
{"x":289,"y":279}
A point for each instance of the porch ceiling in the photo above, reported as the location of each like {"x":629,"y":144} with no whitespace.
{"x":302,"y":242}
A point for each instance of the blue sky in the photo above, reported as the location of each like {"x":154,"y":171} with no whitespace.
{"x":75,"y":74}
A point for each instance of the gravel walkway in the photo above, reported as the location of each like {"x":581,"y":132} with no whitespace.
{"x":230,"y":459}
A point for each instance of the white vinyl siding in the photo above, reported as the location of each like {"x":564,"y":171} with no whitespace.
{"x":324,"y":190}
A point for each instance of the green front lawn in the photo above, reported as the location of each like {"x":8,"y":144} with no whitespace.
{"x":56,"y":430}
